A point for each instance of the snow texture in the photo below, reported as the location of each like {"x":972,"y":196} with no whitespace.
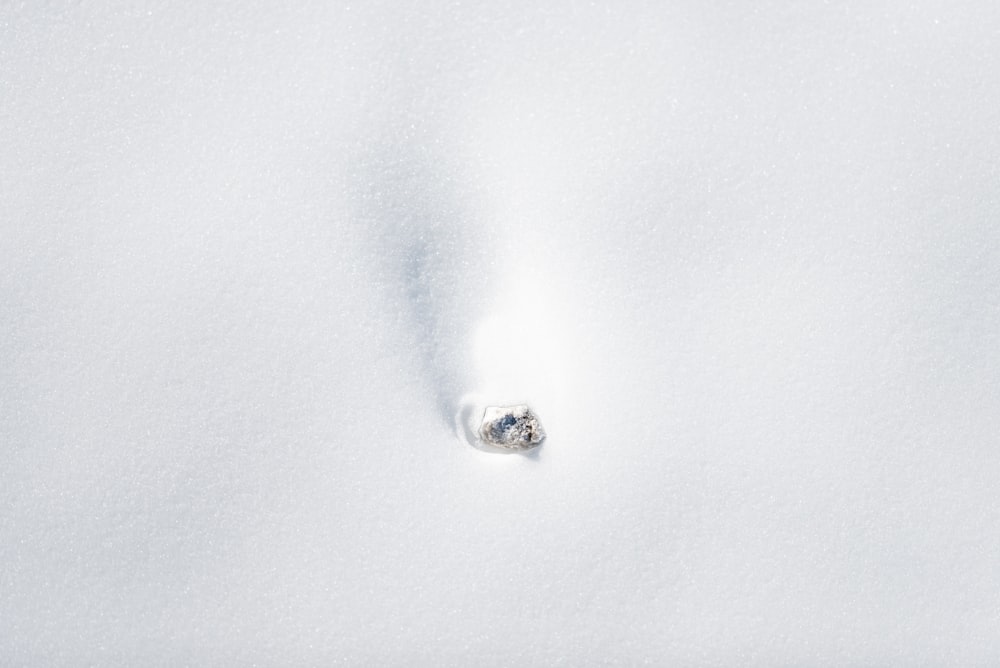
{"x":254,"y":256}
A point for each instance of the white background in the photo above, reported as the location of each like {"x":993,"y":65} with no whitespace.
{"x":743,"y":259}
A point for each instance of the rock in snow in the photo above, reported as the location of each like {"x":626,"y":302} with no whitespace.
{"x":511,"y":427}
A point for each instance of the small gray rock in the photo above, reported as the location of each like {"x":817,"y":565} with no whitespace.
{"x":511,"y":428}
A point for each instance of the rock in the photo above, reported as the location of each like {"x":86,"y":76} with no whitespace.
{"x":511,"y":428}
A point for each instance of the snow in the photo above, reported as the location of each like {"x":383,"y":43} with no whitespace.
{"x":742,"y":259}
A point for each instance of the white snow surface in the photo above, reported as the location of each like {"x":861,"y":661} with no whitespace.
{"x":742,"y":259}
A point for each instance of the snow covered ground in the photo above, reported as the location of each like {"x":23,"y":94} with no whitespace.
{"x":743,"y":260}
